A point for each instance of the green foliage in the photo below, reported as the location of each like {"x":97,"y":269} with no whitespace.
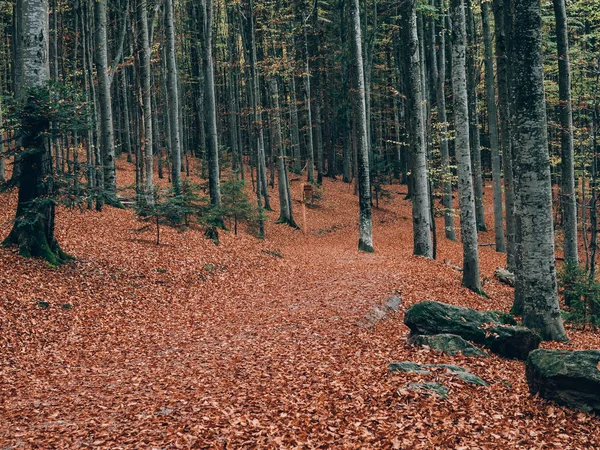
{"x":235,"y":204}
{"x":380,"y":172}
{"x":582,"y":295}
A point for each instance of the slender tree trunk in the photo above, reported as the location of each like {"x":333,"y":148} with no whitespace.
{"x":107,"y":138}
{"x":309,"y":125}
{"x":468,"y":227}
{"x":423,"y":245}
{"x":505,"y":131}
{"x":285,"y":199}
{"x":474,"y":119}
{"x":146,"y":93}
{"x":449,"y":229}
{"x":295,"y":134}
{"x":537,"y":274}
{"x":490,"y":91}
{"x":214,"y":184}
{"x":568,"y":199}
{"x":365,"y":227}
{"x":173,"y":95}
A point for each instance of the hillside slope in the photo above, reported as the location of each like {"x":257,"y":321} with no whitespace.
{"x":192,"y":345}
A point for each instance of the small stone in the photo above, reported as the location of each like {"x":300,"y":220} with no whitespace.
{"x":450,"y":344}
{"x":407,"y":366}
{"x":430,"y":387}
{"x":470,"y":378}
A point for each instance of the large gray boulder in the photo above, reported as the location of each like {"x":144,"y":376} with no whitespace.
{"x":450,"y":344}
{"x":493,"y":329}
{"x":570,"y":378}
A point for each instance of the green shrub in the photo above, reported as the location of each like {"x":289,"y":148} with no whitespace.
{"x":581,"y":294}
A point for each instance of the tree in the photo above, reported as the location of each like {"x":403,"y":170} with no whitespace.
{"x":568,"y":199}
{"x":365,"y":226}
{"x":211,"y":107}
{"x":420,"y":198}
{"x":490,"y":92}
{"x":468,"y":226}
{"x":33,"y":229}
{"x":145,"y":56}
{"x":442,"y":119}
{"x":537,"y":272}
{"x":173,"y":95}
{"x":105,"y":78}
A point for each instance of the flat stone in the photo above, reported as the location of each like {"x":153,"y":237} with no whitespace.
{"x":450,"y":344}
{"x":430,"y":387}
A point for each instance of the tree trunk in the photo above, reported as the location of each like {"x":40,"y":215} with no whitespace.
{"x":541,"y":310}
{"x":468,"y":227}
{"x":33,"y":230}
{"x":475,"y":141}
{"x":567,"y":185}
{"x":505,"y":131}
{"x":449,"y":229}
{"x":285,"y":199}
{"x":423,"y":245}
{"x":146,"y":92}
{"x":214,"y":185}
{"x":173,"y":95}
{"x":107,"y":138}
{"x":493,"y":127}
{"x":365,"y":227}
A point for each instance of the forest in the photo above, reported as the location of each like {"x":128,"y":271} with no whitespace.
{"x":307,"y":224}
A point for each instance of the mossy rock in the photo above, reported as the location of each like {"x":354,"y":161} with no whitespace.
{"x":493,"y":329}
{"x":450,"y":344}
{"x":430,"y":387}
{"x":570,"y":378}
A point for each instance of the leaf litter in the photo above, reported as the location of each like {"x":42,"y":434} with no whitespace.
{"x":156,"y":351}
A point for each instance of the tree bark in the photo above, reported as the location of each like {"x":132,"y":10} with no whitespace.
{"x":214,"y":184}
{"x":173,"y":95}
{"x":505,"y":131}
{"x":490,"y":91}
{"x":537,"y":274}
{"x":33,"y":229}
{"x":365,"y":227}
{"x":468,"y":226}
{"x":449,"y":228}
{"x":421,"y":215}
{"x":568,"y":199}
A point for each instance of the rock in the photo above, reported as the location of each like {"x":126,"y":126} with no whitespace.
{"x":457,"y":371}
{"x":570,"y":378}
{"x":450,"y":368}
{"x":451,"y":344}
{"x":470,"y":378}
{"x":482,"y":327}
{"x":407,"y":366}
{"x":433,"y":387}
{"x":505,"y":276}
{"x":380,"y":312}
{"x":512,"y":342}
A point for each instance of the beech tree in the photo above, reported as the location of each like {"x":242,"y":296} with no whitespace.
{"x":468,"y":226}
{"x":537,"y":272}
{"x":33,"y":229}
{"x":365,"y":226}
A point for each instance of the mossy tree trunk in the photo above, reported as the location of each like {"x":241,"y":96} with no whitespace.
{"x":33,"y":230}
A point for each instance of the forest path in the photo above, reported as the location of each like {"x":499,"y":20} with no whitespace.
{"x":192,"y":345}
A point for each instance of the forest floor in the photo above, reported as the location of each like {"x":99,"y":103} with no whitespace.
{"x":251,"y":344}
